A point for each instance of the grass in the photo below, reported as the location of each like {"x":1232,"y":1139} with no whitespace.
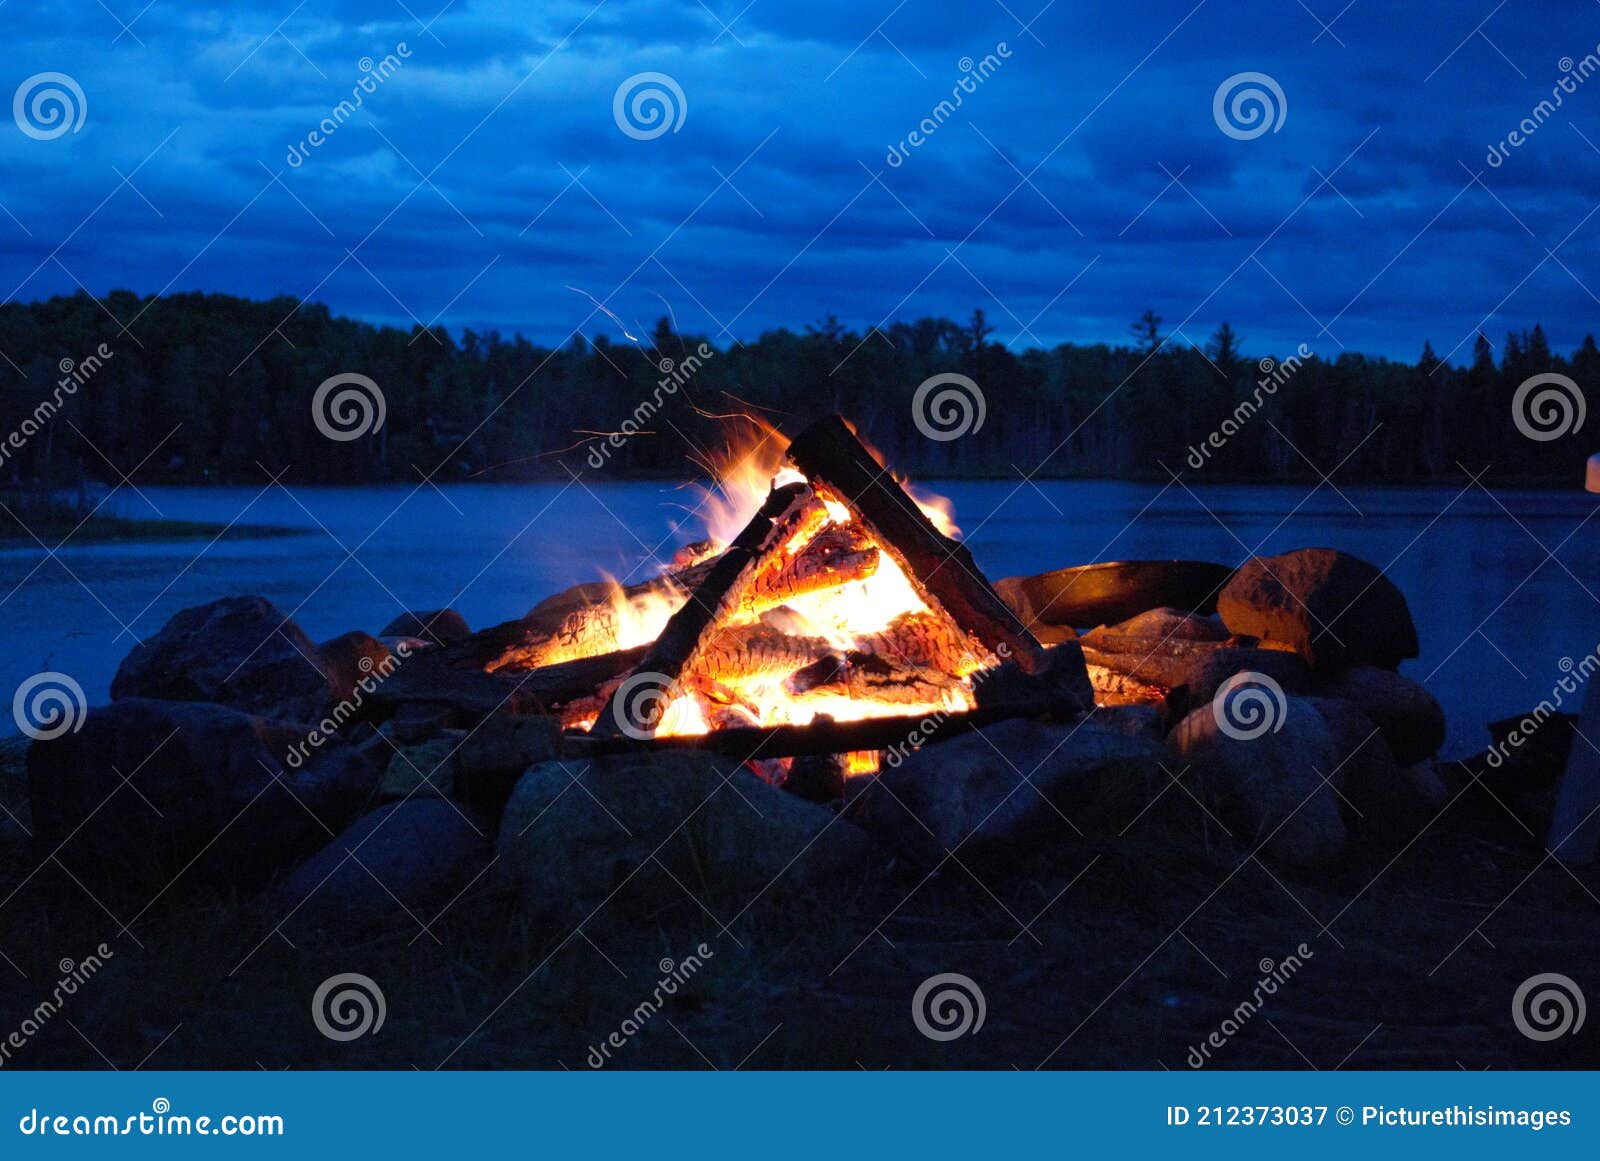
{"x":1110,"y":954}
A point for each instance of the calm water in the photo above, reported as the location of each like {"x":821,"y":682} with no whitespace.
{"x":1496,"y":612}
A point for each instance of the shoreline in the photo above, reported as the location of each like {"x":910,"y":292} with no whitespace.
{"x":52,"y":535}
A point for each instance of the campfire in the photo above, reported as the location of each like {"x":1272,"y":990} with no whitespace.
{"x":830,"y":613}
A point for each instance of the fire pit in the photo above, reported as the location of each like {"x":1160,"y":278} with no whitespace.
{"x":839,"y":618}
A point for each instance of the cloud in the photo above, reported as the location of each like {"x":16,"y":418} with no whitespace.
{"x":485,"y":174}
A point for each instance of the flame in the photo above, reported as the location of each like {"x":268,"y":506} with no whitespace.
{"x":745,"y":468}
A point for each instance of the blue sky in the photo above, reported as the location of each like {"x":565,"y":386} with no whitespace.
{"x":487,"y":183}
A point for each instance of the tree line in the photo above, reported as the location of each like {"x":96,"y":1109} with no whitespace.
{"x":209,"y":388}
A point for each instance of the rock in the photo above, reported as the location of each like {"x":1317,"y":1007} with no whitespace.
{"x":1364,"y":770}
{"x":422,"y":769}
{"x":146,"y":786}
{"x":1203,"y":674}
{"x":1062,"y":682}
{"x":574,"y":832}
{"x":1009,"y":789}
{"x":238,"y":651}
{"x":1332,"y":608}
{"x":1411,"y":719}
{"x":437,"y":626}
{"x":1268,"y":770}
{"x":496,"y":754}
{"x":353,"y":657}
{"x":393,"y":870}
{"x":817,"y":778}
{"x":1133,"y":721}
{"x":1163,"y":624}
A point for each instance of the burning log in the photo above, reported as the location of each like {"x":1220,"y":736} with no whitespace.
{"x":869,"y":679}
{"x":679,"y":648}
{"x":823,"y":736}
{"x":941,"y":570}
{"x":593,"y":617}
{"x":835,"y":556}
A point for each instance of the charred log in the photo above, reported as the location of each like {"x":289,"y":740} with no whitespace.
{"x":940,"y":569}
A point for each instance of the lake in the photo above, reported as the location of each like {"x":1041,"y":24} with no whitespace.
{"x":1502,"y":586}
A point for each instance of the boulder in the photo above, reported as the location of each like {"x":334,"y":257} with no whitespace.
{"x":1150,"y":669}
{"x":1202,"y":674}
{"x":436,"y":626}
{"x":1411,"y":719}
{"x":393,"y":870}
{"x":1267,"y":770}
{"x":652,"y":827}
{"x":421,"y":769}
{"x":1009,"y":789}
{"x":1331,"y":608}
{"x":496,"y":753}
{"x":1062,"y":682}
{"x":1163,"y":624}
{"x":1135,"y":721}
{"x":144,"y":787}
{"x":1364,"y":770}
{"x":352,"y":658}
{"x":238,"y":651}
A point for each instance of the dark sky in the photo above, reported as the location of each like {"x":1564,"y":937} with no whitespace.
{"x":487,"y":182}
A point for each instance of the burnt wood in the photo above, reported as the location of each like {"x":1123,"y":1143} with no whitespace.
{"x":940,"y":569}
{"x":686,"y":635}
{"x":822,"y":737}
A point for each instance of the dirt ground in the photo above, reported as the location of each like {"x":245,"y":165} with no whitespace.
{"x":1125,"y":954}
